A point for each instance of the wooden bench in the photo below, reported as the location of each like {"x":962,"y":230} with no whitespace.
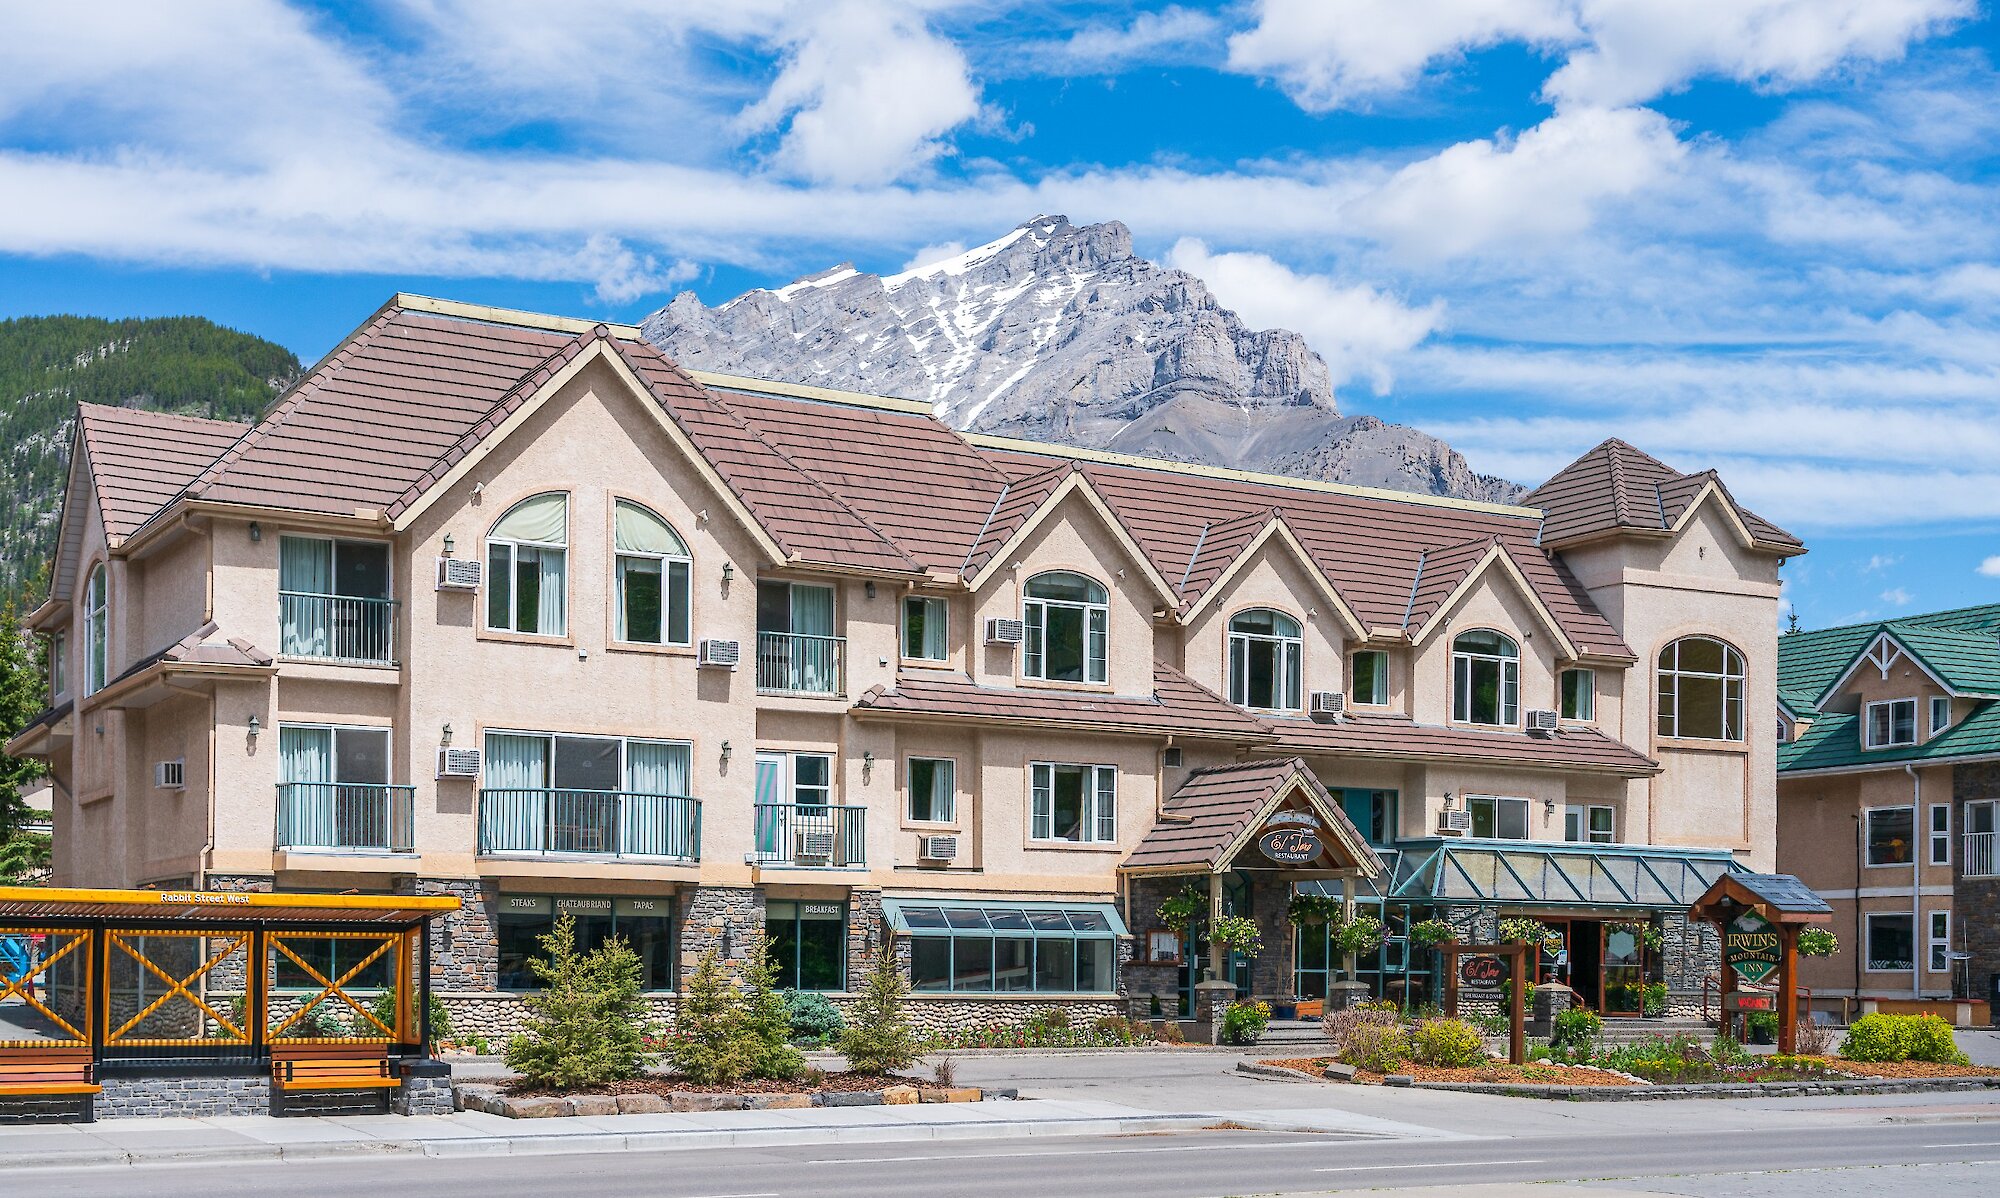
{"x":318,"y":1068}
{"x":67,"y":1072}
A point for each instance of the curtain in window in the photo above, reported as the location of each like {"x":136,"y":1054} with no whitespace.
{"x":649,"y":825}
{"x":515,"y":762}
{"x":657,"y":767}
{"x":305,"y":754}
{"x":305,"y":568}
{"x":812,"y":615}
{"x":543,"y":519}
{"x":636,"y":530}
{"x":553,"y":617}
{"x":639,"y":595}
{"x":305,"y":765}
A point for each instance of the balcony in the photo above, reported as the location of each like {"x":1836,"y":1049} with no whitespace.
{"x":345,"y":817}
{"x":1975,"y":858}
{"x":811,"y":836}
{"x":590,"y":823}
{"x":337,"y":628}
{"x":797,"y":663}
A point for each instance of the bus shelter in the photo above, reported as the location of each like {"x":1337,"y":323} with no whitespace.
{"x":194,"y":982}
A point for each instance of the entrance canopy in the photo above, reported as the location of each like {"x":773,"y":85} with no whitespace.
{"x":1524,"y":873}
{"x":1779,"y":898}
{"x":1270,"y":815}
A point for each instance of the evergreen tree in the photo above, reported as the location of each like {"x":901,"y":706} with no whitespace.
{"x":587,"y":1026}
{"x":767,"y":1019}
{"x":23,"y":695}
{"x":879,"y":1038}
{"x":711,"y":1044}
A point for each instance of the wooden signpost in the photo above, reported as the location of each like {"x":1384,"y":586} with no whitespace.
{"x":1478,"y":967}
{"x":1759,"y":917}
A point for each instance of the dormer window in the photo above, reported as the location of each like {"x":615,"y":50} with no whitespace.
{"x":527,"y":567}
{"x":1485,"y":679}
{"x":1940,"y":714}
{"x":1067,"y":618}
{"x":1892,"y":723}
{"x":1264,"y":652}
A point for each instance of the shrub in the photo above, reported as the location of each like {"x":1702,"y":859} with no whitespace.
{"x":1577,"y":1028}
{"x":813,"y":1018}
{"x":384,"y":1008}
{"x":1339,"y":1027}
{"x":587,"y":1025}
{"x":1446,"y":1044}
{"x":1117,"y":1027}
{"x":1817,"y":942}
{"x":1180,"y":911}
{"x":1244,"y":1022}
{"x":1489,"y":1023}
{"x":1377,"y":1047}
{"x":1812,"y":1039}
{"x":709,"y":1046}
{"x":1047,"y":1023}
{"x":1901,"y":1038}
{"x":1171,"y":1033}
{"x":1762,"y":1026}
{"x":1656,"y":999}
{"x":767,"y":1019}
{"x":879,"y":1038}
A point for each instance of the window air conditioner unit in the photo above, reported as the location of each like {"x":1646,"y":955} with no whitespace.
{"x":459,"y":573}
{"x":937,"y":848}
{"x":1544,"y":721}
{"x":1328,"y":705}
{"x":815,"y":844}
{"x":1455,"y":823}
{"x":1003,"y":632}
{"x":457,"y":763}
{"x":721,"y":655}
{"x":170,"y":775}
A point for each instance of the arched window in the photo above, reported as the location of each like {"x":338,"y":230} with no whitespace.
{"x":96,"y":631}
{"x":1485,"y":679}
{"x":1701,"y":689}
{"x":1264,"y":651}
{"x":652,"y":573}
{"x":1067,"y":618}
{"x":527,"y":567}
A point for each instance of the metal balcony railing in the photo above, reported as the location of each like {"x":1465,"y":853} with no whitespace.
{"x":590,"y":823}
{"x":345,"y":816}
{"x":797,"y":663}
{"x":336,"y":628}
{"x":1975,"y":856}
{"x":811,"y":836}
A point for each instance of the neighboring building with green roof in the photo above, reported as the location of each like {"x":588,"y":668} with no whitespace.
{"x":1888,"y":789}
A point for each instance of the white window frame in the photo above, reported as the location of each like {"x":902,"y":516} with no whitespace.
{"x":1868,"y":947}
{"x":1579,"y":820}
{"x":334,"y":732}
{"x":1667,"y":689}
{"x":1889,"y":739}
{"x":499,"y":580}
{"x":1099,"y":823}
{"x":1380,"y":696}
{"x":1940,"y":714}
{"x":1868,"y":835}
{"x":1940,"y":836}
{"x":800,"y":794}
{"x":624,"y":744}
{"x":1096,"y":618}
{"x":950,"y":796}
{"x":1937,"y":942}
{"x":1472,"y":802}
{"x":935,"y":609}
{"x":96,"y":630}
{"x":1288,"y":662}
{"x":1586,"y":712}
{"x":58,"y":665}
{"x":1508,"y":699}
{"x":1992,"y":809}
{"x":666,"y":562}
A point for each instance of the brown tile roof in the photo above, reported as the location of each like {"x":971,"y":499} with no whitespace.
{"x":1616,"y":486}
{"x":1177,"y":707}
{"x":200,"y":647}
{"x":139,"y":461}
{"x":1398,"y":737}
{"x":1211,"y":810}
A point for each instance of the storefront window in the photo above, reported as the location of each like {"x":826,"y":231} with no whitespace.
{"x":645,"y":924}
{"x":807,"y":942}
{"x":987,"y":949}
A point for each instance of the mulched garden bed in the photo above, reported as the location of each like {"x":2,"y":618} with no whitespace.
{"x":1531,"y":1074}
{"x":665,"y":1084}
{"x":1906,"y":1068}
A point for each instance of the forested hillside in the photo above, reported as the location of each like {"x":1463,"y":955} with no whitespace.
{"x":49,"y":364}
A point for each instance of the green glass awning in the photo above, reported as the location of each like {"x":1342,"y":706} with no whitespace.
{"x":1520,"y":873}
{"x":980,"y":917}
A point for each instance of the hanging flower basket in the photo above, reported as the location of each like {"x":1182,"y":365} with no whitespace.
{"x":1432,"y":932}
{"x":1239,"y":932}
{"x":1180,"y":911}
{"x":1817,"y":942}
{"x":1361,"y":935}
{"x":1306,"y":909}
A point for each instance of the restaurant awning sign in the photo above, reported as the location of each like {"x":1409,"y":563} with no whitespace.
{"x":1751,"y":946}
{"x":1290,"y":838}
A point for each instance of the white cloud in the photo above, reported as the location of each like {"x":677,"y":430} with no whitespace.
{"x":1897,"y":597}
{"x":1150,"y":38}
{"x":866,"y":94}
{"x":1880,"y":561}
{"x":1547,"y":183}
{"x":1358,"y":330}
{"x":1990,"y":567}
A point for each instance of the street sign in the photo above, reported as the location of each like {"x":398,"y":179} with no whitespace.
{"x":1752,"y":947}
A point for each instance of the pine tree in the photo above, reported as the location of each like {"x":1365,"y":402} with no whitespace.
{"x":710,"y":1044}
{"x":587,"y":1026}
{"x":767,"y":1020}
{"x":23,"y":695}
{"x":879,"y":1038}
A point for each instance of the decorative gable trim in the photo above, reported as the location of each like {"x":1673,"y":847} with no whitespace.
{"x":1331,"y":818}
{"x":1075,"y":485}
{"x":1278,"y":531}
{"x":1881,"y":653}
{"x":1496,"y":558}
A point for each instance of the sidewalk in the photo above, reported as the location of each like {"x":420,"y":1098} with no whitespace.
{"x":152,"y":1141}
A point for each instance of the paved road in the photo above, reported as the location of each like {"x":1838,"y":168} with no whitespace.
{"x":1190,"y":1165}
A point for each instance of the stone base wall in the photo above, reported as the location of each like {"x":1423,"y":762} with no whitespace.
{"x":423,"y":1096}
{"x":184,"y":1097}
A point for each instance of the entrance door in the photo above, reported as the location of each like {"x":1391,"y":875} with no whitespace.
{"x":1585,"y":953}
{"x":1624,"y":973}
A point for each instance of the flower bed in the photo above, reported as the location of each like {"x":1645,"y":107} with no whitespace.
{"x":658,"y":1095}
{"x":1497,"y":1072}
{"x":1906,"y":1068}
{"x":830,"y":1083}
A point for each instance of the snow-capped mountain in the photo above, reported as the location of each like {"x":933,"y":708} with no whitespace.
{"x":1060,"y":333}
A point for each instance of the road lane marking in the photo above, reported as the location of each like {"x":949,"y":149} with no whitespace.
{"x":975,"y":1156}
{"x":1981,"y":1144}
{"x":1429,"y":1165}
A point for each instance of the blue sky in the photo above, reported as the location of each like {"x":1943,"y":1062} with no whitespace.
{"x":1758,"y":235}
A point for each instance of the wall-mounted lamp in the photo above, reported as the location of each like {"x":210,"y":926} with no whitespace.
{"x":256,"y":531}
{"x":449,"y":545}
{"x":256,"y":726}
{"x":1548,"y":806}
{"x":870,"y":589}
{"x":725,"y":752}
{"x":728,"y":572}
{"x":1447,"y":800}
{"x":867,"y":763}
{"x":444,"y":737}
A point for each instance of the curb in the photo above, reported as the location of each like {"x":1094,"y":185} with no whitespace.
{"x":1718,"y":1090}
{"x":574,"y":1143}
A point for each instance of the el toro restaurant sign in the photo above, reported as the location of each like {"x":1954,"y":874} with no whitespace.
{"x":1290,"y":838}
{"x":1751,"y":946}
